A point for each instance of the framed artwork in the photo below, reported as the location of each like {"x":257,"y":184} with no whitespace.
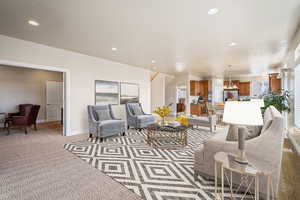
{"x":106,"y":92}
{"x":129,"y":93}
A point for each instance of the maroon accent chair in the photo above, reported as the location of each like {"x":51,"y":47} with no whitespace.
{"x":26,"y":116}
{"x":34,"y":114}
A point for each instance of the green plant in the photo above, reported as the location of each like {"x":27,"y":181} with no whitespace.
{"x":280,"y":101}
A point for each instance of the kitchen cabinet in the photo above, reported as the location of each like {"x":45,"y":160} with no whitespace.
{"x":205,"y":87}
{"x":194,"y":88}
{"x":198,"y":109}
{"x":200,"y":88}
{"x":244,"y":88}
{"x":275,"y":83}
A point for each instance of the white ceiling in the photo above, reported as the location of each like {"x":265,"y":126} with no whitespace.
{"x":167,"y":31}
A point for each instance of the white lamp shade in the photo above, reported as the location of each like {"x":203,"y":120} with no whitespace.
{"x":242,"y":113}
{"x":260,"y":102}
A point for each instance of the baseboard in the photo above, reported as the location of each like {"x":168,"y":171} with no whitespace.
{"x":78,"y":132}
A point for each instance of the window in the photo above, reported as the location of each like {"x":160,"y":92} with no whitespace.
{"x":297,"y":96}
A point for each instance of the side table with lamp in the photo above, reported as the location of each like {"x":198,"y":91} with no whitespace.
{"x":241,"y":114}
{"x":246,"y":113}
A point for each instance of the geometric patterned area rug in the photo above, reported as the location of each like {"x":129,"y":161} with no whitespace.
{"x":152,"y":173}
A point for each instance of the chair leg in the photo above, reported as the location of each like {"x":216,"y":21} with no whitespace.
{"x":101,"y":140}
{"x":25,"y":128}
{"x":128,"y":127}
{"x":140,"y":129}
{"x":195,"y":176}
{"x":91,"y":135}
{"x":123,"y":134}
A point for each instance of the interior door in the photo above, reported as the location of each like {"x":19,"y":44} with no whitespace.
{"x":54,"y":99}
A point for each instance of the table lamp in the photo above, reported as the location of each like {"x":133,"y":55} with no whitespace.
{"x":242,"y":113}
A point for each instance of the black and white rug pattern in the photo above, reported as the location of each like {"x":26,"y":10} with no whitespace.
{"x":152,"y":173}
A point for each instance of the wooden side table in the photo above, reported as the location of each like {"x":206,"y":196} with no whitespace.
{"x":249,"y":176}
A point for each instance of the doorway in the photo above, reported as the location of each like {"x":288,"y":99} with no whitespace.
{"x":54,"y":101}
{"x":60,"y":112}
{"x":181,"y":92}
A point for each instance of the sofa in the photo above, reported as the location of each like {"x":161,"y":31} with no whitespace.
{"x":103,"y":123}
{"x":263,"y":151}
{"x":136,"y":117}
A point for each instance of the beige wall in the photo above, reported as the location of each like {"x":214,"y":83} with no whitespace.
{"x":163,"y":91}
{"x":158,"y":91}
{"x":170,"y":93}
{"x":21,"y":85}
{"x":84,"y":70}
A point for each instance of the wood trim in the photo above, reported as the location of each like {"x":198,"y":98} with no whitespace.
{"x":154,"y":76}
{"x":67,"y":86}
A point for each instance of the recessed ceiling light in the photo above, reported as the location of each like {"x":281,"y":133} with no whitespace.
{"x":114,"y":49}
{"x":153,"y":61}
{"x":33,"y":23}
{"x":179,"y":66}
{"x":213,"y":11}
{"x":232,"y":44}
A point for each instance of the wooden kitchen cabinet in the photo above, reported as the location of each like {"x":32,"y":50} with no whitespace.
{"x":194,"y":88}
{"x":244,"y":88}
{"x":200,"y":88}
{"x":198,"y":109}
{"x":205,"y":87}
{"x":275,"y":83}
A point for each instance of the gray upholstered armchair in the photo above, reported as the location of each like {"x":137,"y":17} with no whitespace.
{"x":136,"y":117}
{"x":102,"y":122}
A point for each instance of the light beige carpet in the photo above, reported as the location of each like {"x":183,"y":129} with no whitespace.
{"x":36,"y":167}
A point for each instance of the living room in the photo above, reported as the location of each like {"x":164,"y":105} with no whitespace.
{"x":161,"y":100}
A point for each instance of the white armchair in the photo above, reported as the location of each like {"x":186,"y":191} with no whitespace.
{"x":263,"y":151}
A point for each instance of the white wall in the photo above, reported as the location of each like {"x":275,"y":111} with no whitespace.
{"x":170,"y":92}
{"x":22,"y":85}
{"x":84,"y":70}
{"x":158,"y":91}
